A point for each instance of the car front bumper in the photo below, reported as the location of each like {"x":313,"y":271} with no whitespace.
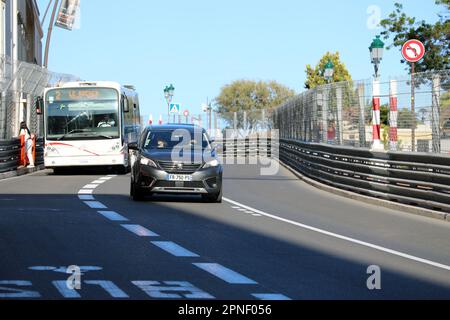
{"x":204,"y":181}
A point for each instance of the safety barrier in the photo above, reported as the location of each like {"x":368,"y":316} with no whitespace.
{"x":12,"y":154}
{"x":248,"y":147}
{"x":410,"y":178}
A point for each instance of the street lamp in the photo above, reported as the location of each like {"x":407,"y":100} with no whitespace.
{"x":168,"y":94}
{"x":329,"y":71}
{"x":376,"y":54}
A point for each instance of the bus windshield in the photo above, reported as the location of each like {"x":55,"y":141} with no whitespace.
{"x":82,"y":114}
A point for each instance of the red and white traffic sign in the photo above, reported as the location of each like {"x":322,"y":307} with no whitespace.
{"x":186,"y":113}
{"x":413,"y":51}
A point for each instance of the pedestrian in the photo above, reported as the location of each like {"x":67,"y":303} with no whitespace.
{"x":28,"y":139}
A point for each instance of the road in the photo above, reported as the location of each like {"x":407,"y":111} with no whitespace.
{"x":272,"y":238}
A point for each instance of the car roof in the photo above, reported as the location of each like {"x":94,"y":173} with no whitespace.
{"x":174,"y":126}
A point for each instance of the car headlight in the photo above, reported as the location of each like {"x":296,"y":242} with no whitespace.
{"x":148,"y":162}
{"x":211,"y":164}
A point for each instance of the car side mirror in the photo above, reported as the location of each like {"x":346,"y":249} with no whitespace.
{"x":39,"y":105}
{"x":133,"y":146}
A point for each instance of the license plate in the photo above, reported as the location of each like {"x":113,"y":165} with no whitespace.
{"x":179,"y":178}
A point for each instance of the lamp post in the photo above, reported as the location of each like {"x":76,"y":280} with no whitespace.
{"x":328,"y":74}
{"x":168,"y":95}
{"x":329,"y":71}
{"x":376,"y":55}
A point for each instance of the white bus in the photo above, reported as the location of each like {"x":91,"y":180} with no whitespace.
{"x":89,"y":124}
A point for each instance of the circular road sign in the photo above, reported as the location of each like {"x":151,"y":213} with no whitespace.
{"x":413,"y":51}
{"x":186,"y":113}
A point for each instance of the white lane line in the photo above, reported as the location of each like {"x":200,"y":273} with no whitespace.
{"x":83,"y":191}
{"x":90,"y":186}
{"x":106,"y":178}
{"x":271,"y":297}
{"x":139,"y":230}
{"x":16,"y":293}
{"x":174,"y":249}
{"x":341,"y":237}
{"x":242,"y":210}
{"x":256,"y":215}
{"x":98,"y":181}
{"x":95,"y":205}
{"x":225,"y":274}
{"x":113,"y":216}
{"x":86,"y":197}
{"x":111,"y":175}
{"x":236,"y":208}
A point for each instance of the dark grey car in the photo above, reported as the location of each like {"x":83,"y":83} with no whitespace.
{"x":176,"y":159}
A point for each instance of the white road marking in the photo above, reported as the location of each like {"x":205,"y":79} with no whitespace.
{"x":83,"y":191}
{"x":341,"y":237}
{"x":90,"y":186}
{"x":98,"y":181}
{"x":95,"y":205}
{"x":224,"y":273}
{"x":174,"y":249}
{"x":139,"y":230}
{"x":271,"y":297}
{"x":256,"y":215}
{"x":113,"y":290}
{"x":172,"y":290}
{"x":67,"y":293}
{"x":236,"y":207}
{"x":112,"y":175}
{"x":86,"y":197}
{"x":106,"y":178}
{"x":13,"y":291}
{"x":113,"y":216}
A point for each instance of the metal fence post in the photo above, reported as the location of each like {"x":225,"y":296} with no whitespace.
{"x":376,"y":117}
{"x":339,"y":124}
{"x":325,"y":114}
{"x":435,"y":114}
{"x":362,"y":116}
{"x":393,"y":118}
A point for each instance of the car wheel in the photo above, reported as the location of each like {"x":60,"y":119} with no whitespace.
{"x":136,"y":193}
{"x":213,"y":198}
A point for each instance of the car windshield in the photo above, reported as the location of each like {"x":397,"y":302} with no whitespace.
{"x":171,"y":139}
{"x":81,"y":114}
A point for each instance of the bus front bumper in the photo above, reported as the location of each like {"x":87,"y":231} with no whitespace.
{"x":84,"y":161}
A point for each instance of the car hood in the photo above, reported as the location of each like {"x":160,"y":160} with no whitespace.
{"x":166,"y":155}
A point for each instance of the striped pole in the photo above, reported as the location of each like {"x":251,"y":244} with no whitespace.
{"x":160,"y":119}
{"x":393,"y":102}
{"x":376,"y":117}
{"x":150,"y":120}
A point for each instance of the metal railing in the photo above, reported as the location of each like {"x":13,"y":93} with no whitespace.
{"x":410,"y":178}
{"x":10,"y":154}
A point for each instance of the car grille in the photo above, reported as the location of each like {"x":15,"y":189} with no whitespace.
{"x":173,"y":167}
{"x":171,"y":184}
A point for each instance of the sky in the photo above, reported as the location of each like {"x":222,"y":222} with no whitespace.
{"x":200,"y":46}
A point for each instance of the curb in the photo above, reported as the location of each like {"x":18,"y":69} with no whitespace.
{"x":21,"y":172}
{"x":404,"y":208}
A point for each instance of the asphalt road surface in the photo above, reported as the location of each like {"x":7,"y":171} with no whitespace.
{"x":273,"y":238}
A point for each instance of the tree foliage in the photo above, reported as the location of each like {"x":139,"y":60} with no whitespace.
{"x":399,"y":27}
{"x":315,"y":76}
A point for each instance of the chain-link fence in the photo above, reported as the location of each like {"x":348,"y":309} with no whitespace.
{"x":411,"y":117}
{"x":20,"y":84}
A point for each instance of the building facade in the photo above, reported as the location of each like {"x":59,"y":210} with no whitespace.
{"x":21,"y":60}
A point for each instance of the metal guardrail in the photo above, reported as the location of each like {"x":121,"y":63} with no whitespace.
{"x":410,"y":178}
{"x":253,"y":147}
{"x":10,"y":153}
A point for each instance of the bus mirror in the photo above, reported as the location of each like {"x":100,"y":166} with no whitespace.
{"x":39,"y":105}
{"x":125,"y":105}
{"x":133,"y":146}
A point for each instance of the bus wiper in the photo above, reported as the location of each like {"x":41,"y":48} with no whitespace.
{"x":72,"y":132}
{"x":102,"y":136}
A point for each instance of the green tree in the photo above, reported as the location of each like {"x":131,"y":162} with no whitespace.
{"x":399,"y":27}
{"x":251,"y":97}
{"x":315,"y":76}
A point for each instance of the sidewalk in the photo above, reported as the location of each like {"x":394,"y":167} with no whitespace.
{"x":21,"y":171}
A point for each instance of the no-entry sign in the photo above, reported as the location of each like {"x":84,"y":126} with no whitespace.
{"x":413,"y":51}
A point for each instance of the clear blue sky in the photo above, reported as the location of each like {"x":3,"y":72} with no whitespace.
{"x":202,"y":45}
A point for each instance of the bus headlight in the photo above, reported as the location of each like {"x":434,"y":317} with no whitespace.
{"x":148,"y":162}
